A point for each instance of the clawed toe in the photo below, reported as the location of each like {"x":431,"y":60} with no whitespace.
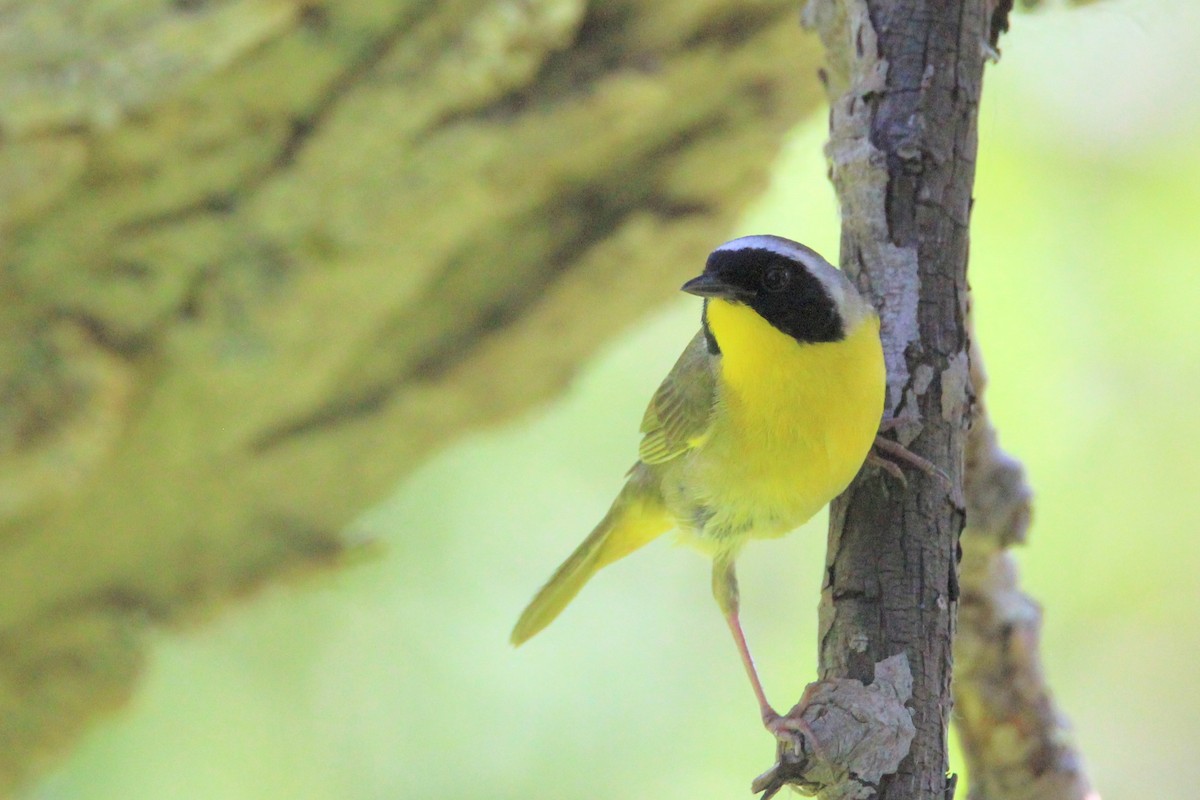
{"x":902,"y":453}
{"x":791,"y":731}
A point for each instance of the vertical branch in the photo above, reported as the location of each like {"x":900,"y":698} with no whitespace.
{"x":904,"y":80}
{"x":1016,"y":743}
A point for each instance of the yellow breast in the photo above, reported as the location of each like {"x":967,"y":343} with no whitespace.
{"x":794,"y":422}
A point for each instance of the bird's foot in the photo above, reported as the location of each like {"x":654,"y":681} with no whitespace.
{"x":899,"y":452}
{"x":791,"y":730}
{"x":890,"y":467}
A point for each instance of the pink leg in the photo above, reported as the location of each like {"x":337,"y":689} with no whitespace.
{"x":739,"y":638}
{"x":726,"y":592}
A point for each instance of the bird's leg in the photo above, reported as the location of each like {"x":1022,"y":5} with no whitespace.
{"x":725,"y":590}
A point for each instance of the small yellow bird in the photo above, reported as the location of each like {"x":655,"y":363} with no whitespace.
{"x":768,"y":414}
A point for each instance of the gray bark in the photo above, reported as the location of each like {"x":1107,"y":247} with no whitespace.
{"x":904,"y":79}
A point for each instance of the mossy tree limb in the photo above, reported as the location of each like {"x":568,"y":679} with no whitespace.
{"x":259,"y":258}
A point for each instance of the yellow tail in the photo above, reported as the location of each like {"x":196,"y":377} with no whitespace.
{"x":636,"y":517}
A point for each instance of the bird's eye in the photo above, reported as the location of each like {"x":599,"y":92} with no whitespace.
{"x":776,"y":278}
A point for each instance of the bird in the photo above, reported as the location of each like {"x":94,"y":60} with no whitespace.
{"x":768,"y":414}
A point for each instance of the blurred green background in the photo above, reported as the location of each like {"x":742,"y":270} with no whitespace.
{"x":394,"y":679}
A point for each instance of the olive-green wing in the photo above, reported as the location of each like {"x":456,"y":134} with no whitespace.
{"x":678,"y":416}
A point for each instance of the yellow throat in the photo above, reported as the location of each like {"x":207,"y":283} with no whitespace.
{"x":800,"y":417}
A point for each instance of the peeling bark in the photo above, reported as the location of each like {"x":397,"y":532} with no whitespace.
{"x":851,"y":735}
{"x":259,"y":258}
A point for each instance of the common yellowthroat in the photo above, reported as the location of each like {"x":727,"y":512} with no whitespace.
{"x":768,"y":414}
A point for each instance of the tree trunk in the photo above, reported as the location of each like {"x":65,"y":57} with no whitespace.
{"x":904,"y":78}
{"x":259,"y":258}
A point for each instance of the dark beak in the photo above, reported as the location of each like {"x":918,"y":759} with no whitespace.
{"x":710,"y":285}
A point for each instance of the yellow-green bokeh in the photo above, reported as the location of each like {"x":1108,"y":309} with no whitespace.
{"x":394,"y":679}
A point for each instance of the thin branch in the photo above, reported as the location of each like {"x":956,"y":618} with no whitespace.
{"x":904,"y":79}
